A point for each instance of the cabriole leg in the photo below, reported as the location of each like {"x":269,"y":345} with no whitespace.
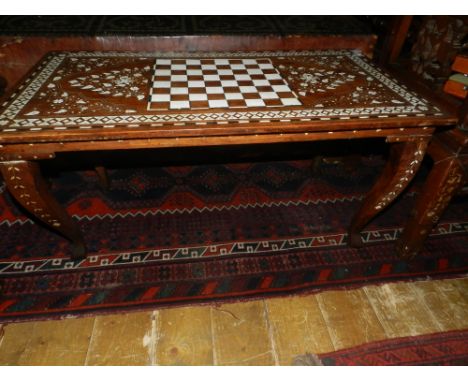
{"x":25,"y":182}
{"x":405,"y":159}
{"x":444,"y":180}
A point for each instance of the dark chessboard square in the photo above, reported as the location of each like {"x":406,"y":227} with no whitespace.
{"x":216,"y":96}
{"x":210,"y":84}
{"x":245,"y":83}
{"x":179,"y":84}
{"x":160,"y":90}
{"x":286,"y":95}
{"x":240,"y":71}
{"x":199,"y":105}
{"x":258,"y":77}
{"x":252,"y":66}
{"x":195,"y":78}
{"x":278,"y":82}
{"x":227,"y":77}
{"x":163,"y":78}
{"x":273,"y":102}
{"x":159,"y":105}
{"x":163,"y":67}
{"x":236,"y":102}
{"x":199,"y":90}
{"x":179,"y":97}
{"x":232,"y":89}
{"x":251,"y":95}
{"x":264,"y":88}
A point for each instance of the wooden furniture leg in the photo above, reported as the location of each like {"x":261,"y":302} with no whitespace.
{"x":25,"y":182}
{"x":444,"y":180}
{"x":102,"y":176}
{"x":405,"y":159}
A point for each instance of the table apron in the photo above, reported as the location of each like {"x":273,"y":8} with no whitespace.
{"x":36,"y":151}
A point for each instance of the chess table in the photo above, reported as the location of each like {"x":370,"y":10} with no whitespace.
{"x":97,"y":101}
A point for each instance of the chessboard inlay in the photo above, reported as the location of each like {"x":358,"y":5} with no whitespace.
{"x":218,"y":83}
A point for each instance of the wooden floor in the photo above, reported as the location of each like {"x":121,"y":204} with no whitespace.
{"x":273,"y":331}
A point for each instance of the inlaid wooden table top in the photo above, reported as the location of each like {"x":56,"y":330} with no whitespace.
{"x":72,"y":96}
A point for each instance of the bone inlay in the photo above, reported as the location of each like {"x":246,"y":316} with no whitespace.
{"x":98,"y":89}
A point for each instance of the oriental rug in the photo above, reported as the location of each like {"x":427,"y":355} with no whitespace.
{"x":437,"y":349}
{"x":164,"y":236}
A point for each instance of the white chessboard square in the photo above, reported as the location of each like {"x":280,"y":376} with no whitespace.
{"x":254,"y":102}
{"x":228,"y":83}
{"x":290,"y":101}
{"x":208,"y":67}
{"x":206,"y":83}
{"x":248,"y":89}
{"x":196,"y":84}
{"x":218,"y":103}
{"x":214,"y":90}
{"x":180,"y":104}
{"x":242,"y":77}
{"x":238,"y":66}
{"x":272,"y":76}
{"x":281,"y":88}
{"x":179,"y":91}
{"x":179,"y":77}
{"x":233,"y":96}
{"x":261,"y":82}
{"x":269,"y":95}
{"x":198,"y":97}
{"x":160,"y":97}
{"x":254,"y":71}
{"x":161,"y":84}
{"x":162,"y":72}
{"x":195,"y":72}
{"x":225,"y":72}
{"x":211,"y":77}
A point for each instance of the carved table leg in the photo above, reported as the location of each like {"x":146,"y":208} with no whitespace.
{"x":443,"y":182}
{"x":25,"y":182}
{"x":405,"y":159}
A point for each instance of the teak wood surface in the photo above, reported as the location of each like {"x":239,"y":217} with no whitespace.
{"x":94,"y":101}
